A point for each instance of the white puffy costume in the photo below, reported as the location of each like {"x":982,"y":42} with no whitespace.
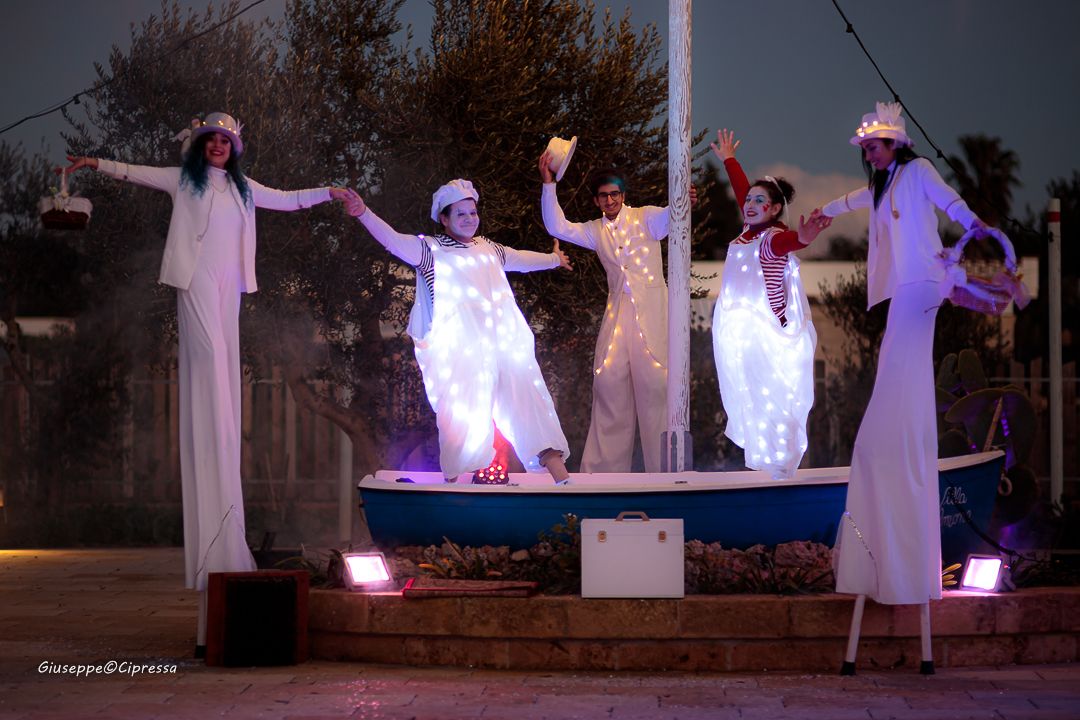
{"x":630,"y":362}
{"x":764,"y":346}
{"x":210,"y":259}
{"x":889,"y":543}
{"x":475,"y":350}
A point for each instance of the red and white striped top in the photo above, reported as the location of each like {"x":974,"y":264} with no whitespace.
{"x":777,"y":242}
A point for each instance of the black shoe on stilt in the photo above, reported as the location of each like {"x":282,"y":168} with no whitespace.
{"x":200,"y":652}
{"x":927,"y":667}
{"x":848,"y":668}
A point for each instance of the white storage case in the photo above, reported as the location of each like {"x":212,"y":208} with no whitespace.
{"x":632,"y":557}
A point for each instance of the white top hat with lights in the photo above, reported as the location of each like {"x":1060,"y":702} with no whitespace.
{"x":885,"y":123}
{"x":222,"y":123}
{"x":561,"y":152}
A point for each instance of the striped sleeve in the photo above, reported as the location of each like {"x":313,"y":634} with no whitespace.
{"x":773,"y":267}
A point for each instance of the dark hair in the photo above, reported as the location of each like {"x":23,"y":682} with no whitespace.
{"x":783,"y":194}
{"x":195,"y":172}
{"x":904,"y":154}
{"x":875,"y":180}
{"x":606,"y":177}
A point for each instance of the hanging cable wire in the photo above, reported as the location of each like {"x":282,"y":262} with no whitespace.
{"x":1017,"y":225}
{"x":98,"y":86}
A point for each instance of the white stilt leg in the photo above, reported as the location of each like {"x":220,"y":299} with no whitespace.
{"x":848,"y":668}
{"x":927,"y":667}
{"x":200,"y":637}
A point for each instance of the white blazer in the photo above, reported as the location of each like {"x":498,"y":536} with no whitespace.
{"x":629,"y":249}
{"x":191,"y":212}
{"x":904,"y":227}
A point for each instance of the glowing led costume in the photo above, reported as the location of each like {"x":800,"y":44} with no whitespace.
{"x":630,"y":362}
{"x":763,"y":343}
{"x":766,"y":369}
{"x":475,"y":349}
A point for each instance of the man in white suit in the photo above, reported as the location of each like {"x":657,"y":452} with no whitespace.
{"x":630,"y":364}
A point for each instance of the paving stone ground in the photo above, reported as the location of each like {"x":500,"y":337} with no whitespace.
{"x":90,"y":607}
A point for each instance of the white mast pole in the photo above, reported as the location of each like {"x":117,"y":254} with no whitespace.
{"x":677,"y":448}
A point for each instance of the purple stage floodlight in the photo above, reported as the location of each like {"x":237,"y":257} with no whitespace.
{"x":367,"y":571}
{"x":982,"y":572}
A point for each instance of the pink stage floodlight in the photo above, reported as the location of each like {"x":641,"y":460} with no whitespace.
{"x":367,"y":571}
{"x":982,"y":572}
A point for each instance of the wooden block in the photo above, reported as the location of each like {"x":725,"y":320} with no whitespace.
{"x":257,"y":618}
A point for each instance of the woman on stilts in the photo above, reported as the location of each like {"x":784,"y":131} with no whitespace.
{"x":210,"y":260}
{"x":763,"y":335}
{"x":889,"y":543}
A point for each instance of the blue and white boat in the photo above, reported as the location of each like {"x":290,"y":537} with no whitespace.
{"x":737,"y":509}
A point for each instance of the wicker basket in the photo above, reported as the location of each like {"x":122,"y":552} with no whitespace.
{"x":982,"y":296}
{"x":986,"y":295}
{"x":63,"y":212}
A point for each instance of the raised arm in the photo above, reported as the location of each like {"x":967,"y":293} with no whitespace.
{"x":724,"y":148}
{"x":409,"y":248}
{"x":554,"y":219}
{"x":165,"y":179}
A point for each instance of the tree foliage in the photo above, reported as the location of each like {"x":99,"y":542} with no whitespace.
{"x":987,"y":178}
{"x":496,"y":82}
{"x":75,"y":379}
{"x":329,"y":97}
{"x":851,"y":379}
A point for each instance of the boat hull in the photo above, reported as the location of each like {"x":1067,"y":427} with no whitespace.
{"x":737,"y":510}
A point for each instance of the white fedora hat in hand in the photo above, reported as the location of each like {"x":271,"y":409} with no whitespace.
{"x":561,"y":152}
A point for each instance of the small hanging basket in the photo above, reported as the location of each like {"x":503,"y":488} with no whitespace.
{"x":986,"y":295}
{"x":63,"y":212}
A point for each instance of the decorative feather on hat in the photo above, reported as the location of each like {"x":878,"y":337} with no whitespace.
{"x":184,"y":136}
{"x":885,"y":123}
{"x":889,"y":113}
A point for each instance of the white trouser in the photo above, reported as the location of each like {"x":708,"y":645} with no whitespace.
{"x":476,"y":387}
{"x":629,"y":390}
{"x":208,"y":314}
{"x":889,"y":546}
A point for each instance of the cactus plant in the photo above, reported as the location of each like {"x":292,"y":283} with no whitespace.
{"x":1001,"y":418}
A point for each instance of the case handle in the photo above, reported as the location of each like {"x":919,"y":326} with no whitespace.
{"x":638,"y":513}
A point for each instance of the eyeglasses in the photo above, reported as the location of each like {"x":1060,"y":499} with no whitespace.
{"x":609,"y":195}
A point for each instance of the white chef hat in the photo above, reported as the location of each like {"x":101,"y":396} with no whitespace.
{"x":449,"y":194}
{"x":885,"y":123}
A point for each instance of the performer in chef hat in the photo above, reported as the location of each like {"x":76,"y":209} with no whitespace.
{"x":763,"y":335}
{"x":474,"y":347}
